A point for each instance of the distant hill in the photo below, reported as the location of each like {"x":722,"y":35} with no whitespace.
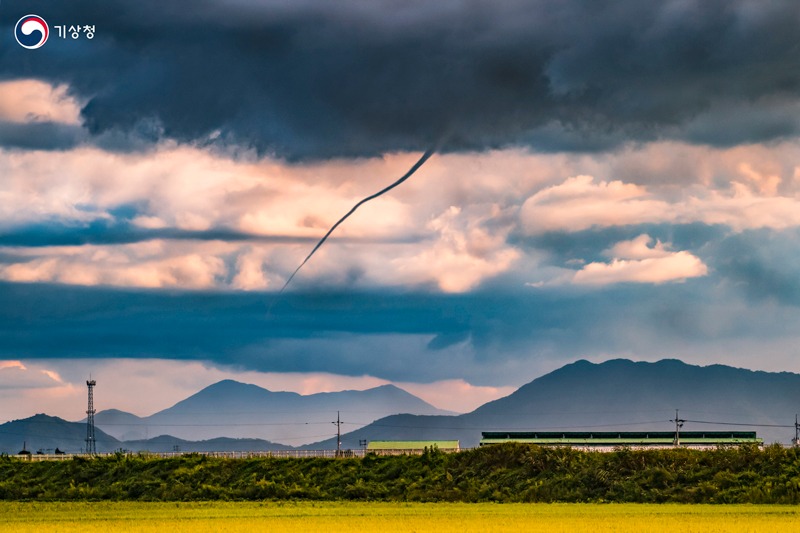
{"x":238,"y":410}
{"x":46,"y":433}
{"x":617,"y":394}
{"x":122,"y":425}
{"x":42,"y":432}
{"x":614,"y":395}
{"x":167,"y":443}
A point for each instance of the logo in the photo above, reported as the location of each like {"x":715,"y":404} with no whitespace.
{"x":31,"y":32}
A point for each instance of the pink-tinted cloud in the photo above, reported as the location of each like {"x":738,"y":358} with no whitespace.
{"x":135,"y":265}
{"x":456,"y":395}
{"x":448,"y":227}
{"x":636,"y":262}
{"x":580,"y":203}
{"x":36,"y":101}
{"x":189,"y":189}
{"x":464,"y":253}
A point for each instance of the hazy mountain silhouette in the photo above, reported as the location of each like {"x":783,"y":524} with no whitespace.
{"x":117,"y":421}
{"x":615,"y":395}
{"x":48,"y":433}
{"x":238,"y":410}
{"x":168,"y":443}
{"x":43,"y":432}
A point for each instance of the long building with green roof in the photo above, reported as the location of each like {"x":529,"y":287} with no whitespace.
{"x":611,"y":439}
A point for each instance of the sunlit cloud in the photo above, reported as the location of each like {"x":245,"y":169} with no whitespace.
{"x":127,"y":266}
{"x":580,"y":203}
{"x":31,"y":387}
{"x":456,"y":395}
{"x":37,"y":101}
{"x":464,"y":253}
{"x":636,"y":262}
{"x":583,"y":202}
{"x":434,"y":231}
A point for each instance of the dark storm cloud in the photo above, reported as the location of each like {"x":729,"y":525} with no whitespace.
{"x":477,"y":337}
{"x":236,"y":329}
{"x":305,"y":79}
{"x":105,"y":232}
{"x":40,"y":136}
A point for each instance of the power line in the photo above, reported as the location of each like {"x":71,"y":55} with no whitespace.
{"x":503,"y":428}
{"x":740,"y":424}
{"x":360,"y":425}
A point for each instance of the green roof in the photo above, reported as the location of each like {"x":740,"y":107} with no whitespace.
{"x":412,"y":444}
{"x":617,"y":434}
{"x":622,"y":442}
{"x":620,"y":438}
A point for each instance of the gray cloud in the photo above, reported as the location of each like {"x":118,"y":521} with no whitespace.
{"x":103,"y":231}
{"x":41,"y":136}
{"x":312,"y":80}
{"x":589,"y":245}
{"x":483,"y":337}
{"x":307,"y":80}
{"x":762,"y":264}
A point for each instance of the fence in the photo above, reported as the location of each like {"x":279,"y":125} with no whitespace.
{"x":282,"y":454}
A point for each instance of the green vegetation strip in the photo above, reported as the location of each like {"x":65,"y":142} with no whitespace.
{"x":503,"y":473}
{"x":23,"y":517}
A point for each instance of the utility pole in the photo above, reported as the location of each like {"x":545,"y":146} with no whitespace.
{"x":338,"y":435}
{"x":91,"y":449}
{"x":796,"y":440}
{"x":678,"y":425}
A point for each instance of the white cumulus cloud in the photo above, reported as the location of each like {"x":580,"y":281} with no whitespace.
{"x":635,"y":261}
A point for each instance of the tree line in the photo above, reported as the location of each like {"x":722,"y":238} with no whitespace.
{"x":500,"y":473}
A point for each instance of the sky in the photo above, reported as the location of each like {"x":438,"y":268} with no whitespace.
{"x":612,"y":179}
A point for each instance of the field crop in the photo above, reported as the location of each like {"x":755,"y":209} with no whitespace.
{"x":22,"y":517}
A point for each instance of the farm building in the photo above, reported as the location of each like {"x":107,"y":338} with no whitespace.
{"x":612,"y":439}
{"x":398,"y":447}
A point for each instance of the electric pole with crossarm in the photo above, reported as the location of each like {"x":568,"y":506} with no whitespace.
{"x":678,"y":425}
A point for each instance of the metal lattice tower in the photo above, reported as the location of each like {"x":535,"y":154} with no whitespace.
{"x":91,"y":449}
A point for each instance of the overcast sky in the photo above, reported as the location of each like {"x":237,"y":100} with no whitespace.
{"x":613,"y":179}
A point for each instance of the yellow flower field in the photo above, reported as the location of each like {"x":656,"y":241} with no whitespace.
{"x":304,"y":517}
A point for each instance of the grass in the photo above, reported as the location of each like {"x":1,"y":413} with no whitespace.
{"x":304,"y":517}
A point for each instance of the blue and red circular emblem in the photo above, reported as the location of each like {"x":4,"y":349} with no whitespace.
{"x":31,"y":32}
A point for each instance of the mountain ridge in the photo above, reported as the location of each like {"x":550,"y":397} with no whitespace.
{"x":614,"y":394}
{"x":45,"y":432}
{"x":233,"y":409}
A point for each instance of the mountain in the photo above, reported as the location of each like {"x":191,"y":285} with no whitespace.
{"x":238,"y":410}
{"x":42,"y":432}
{"x":124,"y":426}
{"x":617,"y":394}
{"x":167,"y":443}
{"x":46,"y":433}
